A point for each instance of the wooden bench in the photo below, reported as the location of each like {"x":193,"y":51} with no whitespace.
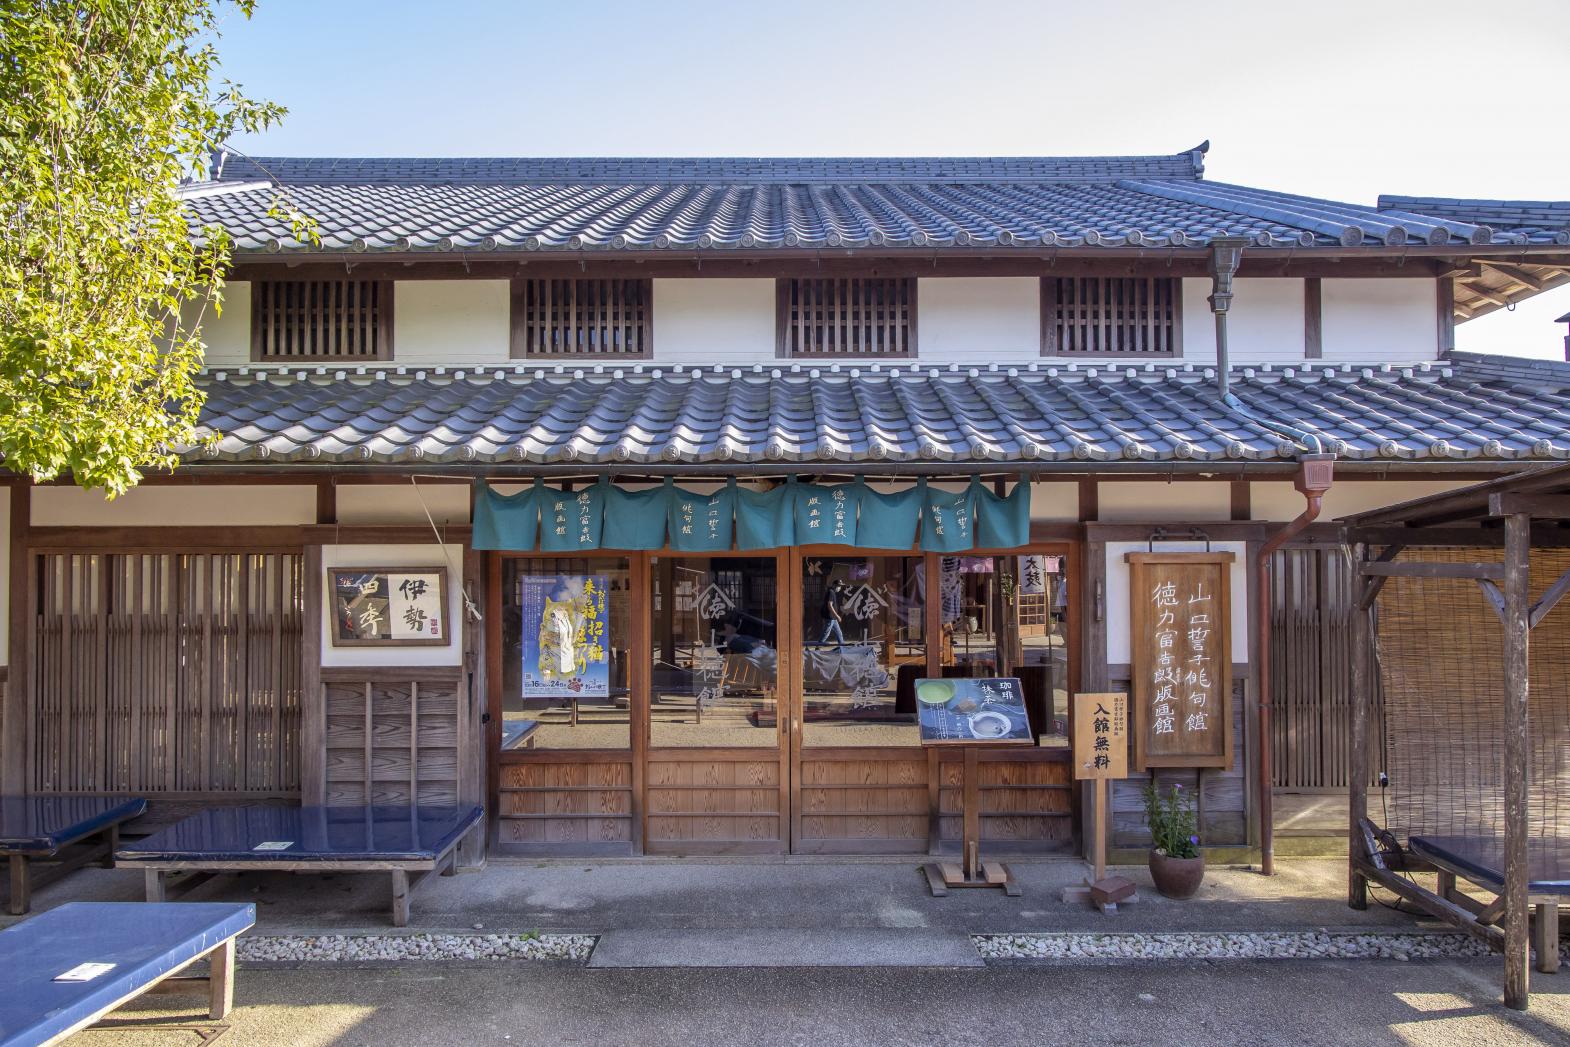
{"x":409,"y":842}
{"x":146,"y":945}
{"x":59,"y":833}
{"x":1479,"y":860}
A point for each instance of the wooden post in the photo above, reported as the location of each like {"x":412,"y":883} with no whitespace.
{"x":1099,"y":847}
{"x":1357,"y":772}
{"x":313,"y":705}
{"x":220,"y":981}
{"x":971,"y":839}
{"x":400,"y":898}
{"x":21,"y":887}
{"x":1517,"y":577}
{"x":18,"y":708}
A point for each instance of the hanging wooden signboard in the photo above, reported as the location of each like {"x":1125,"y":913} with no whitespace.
{"x":389,"y":606}
{"x":1180,"y":624}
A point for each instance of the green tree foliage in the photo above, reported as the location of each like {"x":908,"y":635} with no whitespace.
{"x":105,"y":106}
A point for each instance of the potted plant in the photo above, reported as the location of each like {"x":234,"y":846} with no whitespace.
{"x":1176,"y":865}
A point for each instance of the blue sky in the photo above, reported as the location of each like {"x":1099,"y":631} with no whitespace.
{"x":1336,"y":99}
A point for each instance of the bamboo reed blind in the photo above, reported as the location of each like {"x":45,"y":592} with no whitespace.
{"x":593,"y":318}
{"x":321,"y":320}
{"x":847,"y":316}
{"x":167,"y":673}
{"x":1110,"y":316}
{"x":1441,"y":661}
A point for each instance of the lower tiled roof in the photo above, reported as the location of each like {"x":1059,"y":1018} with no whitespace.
{"x":1464,"y":407}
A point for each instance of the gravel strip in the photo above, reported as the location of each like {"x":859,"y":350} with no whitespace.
{"x":357,"y":947}
{"x":1286,"y":945}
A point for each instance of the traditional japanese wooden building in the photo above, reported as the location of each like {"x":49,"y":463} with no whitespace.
{"x":696,"y":465}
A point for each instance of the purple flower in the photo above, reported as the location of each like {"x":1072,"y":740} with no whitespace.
{"x":1194,"y":840}
{"x":1177,"y":788}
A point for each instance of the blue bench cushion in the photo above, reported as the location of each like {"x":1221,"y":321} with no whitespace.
{"x":44,"y":824}
{"x":144,"y":942}
{"x":1481,"y":859}
{"x":295,"y":834}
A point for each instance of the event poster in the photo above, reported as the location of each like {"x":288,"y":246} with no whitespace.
{"x":566,"y":620}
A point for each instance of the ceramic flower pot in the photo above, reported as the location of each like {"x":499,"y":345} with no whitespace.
{"x":1176,"y":877}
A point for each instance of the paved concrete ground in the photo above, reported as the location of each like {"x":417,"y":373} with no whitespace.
{"x":595,"y":897}
{"x":1239,"y":1004}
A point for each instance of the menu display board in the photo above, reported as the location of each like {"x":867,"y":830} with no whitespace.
{"x":972,"y":710}
{"x":1101,"y":735}
{"x":1181,"y":619}
{"x":389,"y":606}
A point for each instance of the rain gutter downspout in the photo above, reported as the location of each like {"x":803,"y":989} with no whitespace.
{"x":1316,"y":471}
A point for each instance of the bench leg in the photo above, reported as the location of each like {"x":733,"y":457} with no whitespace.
{"x":220,"y":981}
{"x":1447,"y":885}
{"x":1545,"y":930}
{"x":155,"y":884}
{"x":400,"y":898}
{"x":21,"y":886}
{"x":113,"y":846}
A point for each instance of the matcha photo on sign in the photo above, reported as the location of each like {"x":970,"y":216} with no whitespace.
{"x":972,"y":710}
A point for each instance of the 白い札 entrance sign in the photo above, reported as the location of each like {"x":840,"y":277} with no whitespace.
{"x":1101,"y":735}
{"x":1180,"y":622}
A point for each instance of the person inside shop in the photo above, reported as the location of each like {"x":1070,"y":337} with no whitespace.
{"x":733,"y":640}
{"x":834,"y":612}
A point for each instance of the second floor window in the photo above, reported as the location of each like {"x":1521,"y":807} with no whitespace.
{"x":345,"y":320}
{"x":1111,"y":316}
{"x":846,"y":316}
{"x":596,"y":318}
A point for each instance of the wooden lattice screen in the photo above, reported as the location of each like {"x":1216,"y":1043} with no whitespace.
{"x":321,"y":320}
{"x":847,"y":316}
{"x":167,"y":673}
{"x":1311,"y":607}
{"x":594,"y":318}
{"x":1110,"y":316}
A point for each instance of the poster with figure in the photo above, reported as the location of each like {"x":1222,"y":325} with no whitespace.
{"x":389,"y":606}
{"x":1181,"y":619}
{"x":565,"y":639}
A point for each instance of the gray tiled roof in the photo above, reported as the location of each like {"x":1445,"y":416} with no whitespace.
{"x":699,"y":204}
{"x":1536,"y":220}
{"x":1466,"y":407}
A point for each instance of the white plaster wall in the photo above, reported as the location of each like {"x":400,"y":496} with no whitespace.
{"x":169,"y":505}
{"x":1119,"y":621}
{"x":227,"y":334}
{"x":1280,"y":501}
{"x":1177,"y":502}
{"x":1054,"y":502}
{"x":978,"y":319}
{"x":451,"y":321}
{"x":431,"y":555}
{"x":1380,"y":319}
{"x":399,"y":503}
{"x":1264,"y":322}
{"x":705,"y":321}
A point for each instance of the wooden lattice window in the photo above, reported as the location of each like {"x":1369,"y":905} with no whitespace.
{"x":321,"y":320}
{"x":846,"y":316}
{"x":596,"y":318}
{"x":1111,"y":316}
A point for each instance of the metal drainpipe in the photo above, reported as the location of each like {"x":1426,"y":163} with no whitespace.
{"x":1314,"y":477}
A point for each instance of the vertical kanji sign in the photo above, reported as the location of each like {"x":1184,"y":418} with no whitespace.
{"x":1101,"y":735}
{"x":1180,"y":621}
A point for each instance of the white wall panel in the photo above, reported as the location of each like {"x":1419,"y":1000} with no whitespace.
{"x":1264,"y":322}
{"x":432,"y":555}
{"x":1280,"y":501}
{"x":451,"y":321}
{"x":399,"y":503}
{"x":1380,"y":319}
{"x":703,"y":321}
{"x":1119,"y":622}
{"x":227,"y":334}
{"x":1178,"y":502}
{"x":168,"y":505}
{"x":978,"y":319}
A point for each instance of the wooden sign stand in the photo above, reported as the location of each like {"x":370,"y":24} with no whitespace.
{"x":1111,"y":743}
{"x":970,"y":871}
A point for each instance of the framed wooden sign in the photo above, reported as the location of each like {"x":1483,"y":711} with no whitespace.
{"x":1101,"y":735}
{"x":1180,"y":622}
{"x":389,"y":606}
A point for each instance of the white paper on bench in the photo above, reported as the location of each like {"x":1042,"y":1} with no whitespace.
{"x":274,"y":845}
{"x":85,"y":972}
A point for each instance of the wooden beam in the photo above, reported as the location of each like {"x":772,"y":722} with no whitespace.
{"x":1313,"y":319}
{"x":1241,"y":500}
{"x":18,"y":712}
{"x":1519,"y":275}
{"x":1518,"y":553}
{"x":326,"y":501}
{"x":313,"y":710}
{"x":1540,"y":506}
{"x":1377,"y":569}
{"x":1496,"y":599}
{"x":1487,"y":294}
{"x":1445,"y":314}
{"x":1550,"y":599}
{"x":1357,"y":800}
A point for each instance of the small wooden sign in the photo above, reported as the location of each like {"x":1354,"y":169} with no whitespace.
{"x":1101,"y":735}
{"x":389,"y":606}
{"x":1181,"y":615}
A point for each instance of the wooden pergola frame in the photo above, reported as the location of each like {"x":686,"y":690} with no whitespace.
{"x":1520,"y":512}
